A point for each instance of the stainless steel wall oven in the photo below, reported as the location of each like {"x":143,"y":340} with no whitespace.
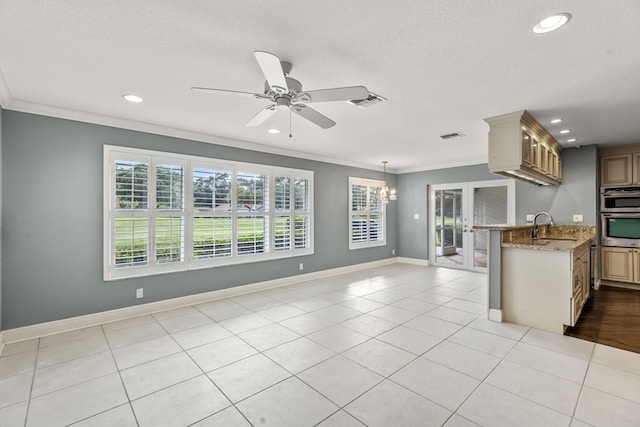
{"x":625,"y":199}
{"x":620,"y":229}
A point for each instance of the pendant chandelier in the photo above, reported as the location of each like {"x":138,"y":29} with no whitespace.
{"x":384,"y":193}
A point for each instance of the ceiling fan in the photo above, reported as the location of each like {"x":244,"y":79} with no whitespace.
{"x":286,"y":93}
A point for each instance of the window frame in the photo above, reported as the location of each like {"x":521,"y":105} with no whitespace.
{"x":188,"y":213}
{"x":381,"y":212}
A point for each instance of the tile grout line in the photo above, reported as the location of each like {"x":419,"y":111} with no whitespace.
{"x":33,"y":379}
{"x":124,"y":387}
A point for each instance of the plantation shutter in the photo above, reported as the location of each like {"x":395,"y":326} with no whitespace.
{"x":367,"y":215}
{"x":212,"y":218}
{"x":131,"y":221}
{"x":302,"y":213}
{"x":252,"y":219}
{"x":169,"y":221}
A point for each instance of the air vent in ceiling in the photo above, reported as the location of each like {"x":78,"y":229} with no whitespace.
{"x":371,"y":99}
{"x":452,"y":135}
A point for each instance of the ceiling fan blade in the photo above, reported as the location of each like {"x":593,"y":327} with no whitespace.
{"x":337,"y":94}
{"x":313,"y":116}
{"x":262,"y":115}
{"x":272,"y":70}
{"x":209,"y":90}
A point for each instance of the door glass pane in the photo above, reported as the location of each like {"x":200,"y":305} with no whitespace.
{"x":449,"y":227}
{"x":489,"y":208}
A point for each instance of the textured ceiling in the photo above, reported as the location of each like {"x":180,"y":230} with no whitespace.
{"x":443,"y":65}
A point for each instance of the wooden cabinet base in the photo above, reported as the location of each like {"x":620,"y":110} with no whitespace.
{"x":544,"y":289}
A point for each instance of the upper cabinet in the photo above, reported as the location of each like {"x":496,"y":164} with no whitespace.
{"x":620,"y":166}
{"x":519,"y":147}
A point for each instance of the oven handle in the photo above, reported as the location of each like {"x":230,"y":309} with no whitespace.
{"x":621,"y":215}
{"x":621,"y":194}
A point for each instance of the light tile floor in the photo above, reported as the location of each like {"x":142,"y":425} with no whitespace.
{"x":399,"y":345}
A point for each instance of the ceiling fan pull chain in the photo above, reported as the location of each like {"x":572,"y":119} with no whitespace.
{"x":289,"y":122}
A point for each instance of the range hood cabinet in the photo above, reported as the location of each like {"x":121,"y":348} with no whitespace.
{"x":520,"y":148}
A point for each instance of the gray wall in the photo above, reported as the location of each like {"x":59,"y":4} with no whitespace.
{"x":413,"y":234}
{"x":52,"y":240}
{"x":578,"y":193}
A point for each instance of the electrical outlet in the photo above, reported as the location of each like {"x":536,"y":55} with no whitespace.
{"x":416,"y":216}
{"x":301,"y":266}
{"x":530,"y":217}
{"x":139,"y":293}
{"x":393,"y":251}
{"x":578,"y":218}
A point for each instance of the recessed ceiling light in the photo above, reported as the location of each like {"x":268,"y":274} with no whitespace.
{"x":274,"y":131}
{"x":132,"y":98}
{"x":565,"y":131}
{"x":551,"y":23}
{"x":554,"y":121}
{"x":572,"y":140}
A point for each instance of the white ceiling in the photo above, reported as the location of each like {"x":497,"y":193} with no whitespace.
{"x":443,"y":65}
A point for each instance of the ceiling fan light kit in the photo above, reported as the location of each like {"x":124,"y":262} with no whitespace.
{"x":286,"y":93}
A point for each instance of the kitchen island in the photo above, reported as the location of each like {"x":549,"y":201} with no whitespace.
{"x":542,"y":282}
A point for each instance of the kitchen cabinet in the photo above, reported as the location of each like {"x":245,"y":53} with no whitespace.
{"x":520,"y":148}
{"x":620,"y":166}
{"x":581,"y":281}
{"x":540,"y":156}
{"x":545,"y":289}
{"x":620,"y":264}
{"x":616,"y":170}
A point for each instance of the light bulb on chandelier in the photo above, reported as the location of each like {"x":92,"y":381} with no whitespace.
{"x":384,"y":194}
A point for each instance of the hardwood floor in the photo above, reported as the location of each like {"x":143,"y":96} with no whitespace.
{"x":611,"y":317}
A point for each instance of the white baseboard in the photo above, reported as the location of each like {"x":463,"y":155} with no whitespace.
{"x":414,"y":261}
{"x":79,"y":322}
{"x":495,"y":315}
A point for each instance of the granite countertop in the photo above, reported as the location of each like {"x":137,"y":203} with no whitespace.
{"x":547,"y":245}
{"x":564,"y":238}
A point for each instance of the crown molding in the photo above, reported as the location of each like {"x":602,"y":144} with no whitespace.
{"x":81,"y":116}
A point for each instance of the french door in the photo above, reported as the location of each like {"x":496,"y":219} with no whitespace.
{"x":453,"y":211}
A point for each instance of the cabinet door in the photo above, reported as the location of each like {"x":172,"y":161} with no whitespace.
{"x":527,"y":148}
{"x":553,"y":164}
{"x":636,"y":266}
{"x":617,"y":264}
{"x":544,"y":157}
{"x":616,"y":170}
{"x":586,"y":280}
{"x":578,"y":296}
{"x":636,"y":168}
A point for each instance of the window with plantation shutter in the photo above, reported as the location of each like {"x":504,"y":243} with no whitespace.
{"x":291,"y":214}
{"x":130,"y":205}
{"x":212,"y":213}
{"x":367,"y":214}
{"x":252,"y":218}
{"x":170,"y":212}
{"x":169,"y":218}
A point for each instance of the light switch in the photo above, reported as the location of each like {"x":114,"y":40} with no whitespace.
{"x":416,"y":216}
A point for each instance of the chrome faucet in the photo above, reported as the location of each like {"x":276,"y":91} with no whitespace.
{"x":534,"y":232}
